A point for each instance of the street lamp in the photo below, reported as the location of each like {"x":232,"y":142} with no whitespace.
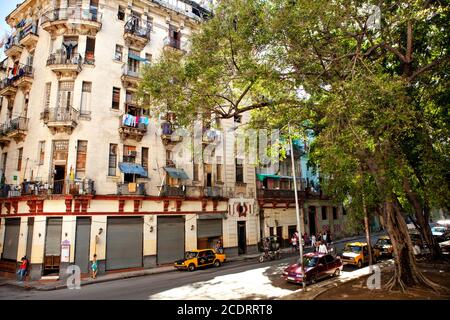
{"x":297,"y":211}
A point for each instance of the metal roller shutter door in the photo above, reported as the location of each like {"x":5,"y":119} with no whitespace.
{"x":11,"y":242}
{"x":82,"y":245}
{"x":209,"y":228}
{"x":124,"y":243}
{"x":53,"y":237}
{"x":170,"y":239}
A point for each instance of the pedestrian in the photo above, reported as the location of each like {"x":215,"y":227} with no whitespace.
{"x":294,"y":243}
{"x":323,"y":248}
{"x":329,"y":241}
{"x":319,"y":237}
{"x":94,"y":267}
{"x":23,"y":268}
{"x":324,"y":237}
{"x":218,"y":246}
{"x":313,"y":241}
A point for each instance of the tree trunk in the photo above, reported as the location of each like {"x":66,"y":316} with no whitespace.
{"x":406,"y":272}
{"x":422,"y":217}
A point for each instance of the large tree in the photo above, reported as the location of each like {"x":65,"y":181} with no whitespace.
{"x":375,"y":94}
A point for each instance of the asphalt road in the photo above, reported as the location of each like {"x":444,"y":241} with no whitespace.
{"x":240,"y":280}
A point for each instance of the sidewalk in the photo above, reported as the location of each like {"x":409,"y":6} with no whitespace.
{"x":47,"y":285}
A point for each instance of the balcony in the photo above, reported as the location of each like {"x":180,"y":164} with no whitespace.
{"x":213,"y":192}
{"x":29,"y":37}
{"x":135,"y":35}
{"x":13,"y":48}
{"x":130,"y":77}
{"x":65,"y":64}
{"x":168,"y":136}
{"x":211,"y":136}
{"x":129,"y":129}
{"x":173,"y":45}
{"x":280,"y":194}
{"x":173,"y":191}
{"x":136,"y":189}
{"x":7,"y":88}
{"x":78,"y":20}
{"x":60,"y":119}
{"x":23,"y":79}
{"x":15,"y":129}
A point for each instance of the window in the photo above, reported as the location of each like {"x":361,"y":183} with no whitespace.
{"x":121,"y":13}
{"x":148,"y":57}
{"x":48,"y":88}
{"x":335,"y":214}
{"x":80,"y":171}
{"x":3,"y":164}
{"x":239,"y":170}
{"x":238,"y":118}
{"x":112,"y":160}
{"x":116,"y":98}
{"x":65,"y":95}
{"x":324,"y":213}
{"x":41,"y":152}
{"x":119,"y":53}
{"x":219,"y":169}
{"x":90,"y":51}
{"x":86,"y":98}
{"x":196,"y":171}
{"x":129,"y":154}
{"x":144,"y":158}
{"x":133,"y":62}
{"x":19,"y":159}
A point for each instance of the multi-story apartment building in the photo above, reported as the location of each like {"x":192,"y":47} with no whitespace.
{"x":276,"y":199}
{"x":84,"y":169}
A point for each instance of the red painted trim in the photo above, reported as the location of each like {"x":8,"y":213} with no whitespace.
{"x":141,"y":213}
{"x":108,"y":197}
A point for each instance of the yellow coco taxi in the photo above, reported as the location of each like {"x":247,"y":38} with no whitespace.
{"x":357,"y":253}
{"x":200,"y":258}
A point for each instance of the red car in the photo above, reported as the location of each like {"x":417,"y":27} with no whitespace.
{"x":317,"y":266}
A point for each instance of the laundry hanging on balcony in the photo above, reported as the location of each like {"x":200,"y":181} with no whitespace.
{"x":132,"y":168}
{"x":177,"y":173}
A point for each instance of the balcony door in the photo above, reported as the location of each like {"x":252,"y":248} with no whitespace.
{"x":59,"y":165}
{"x":65,"y":99}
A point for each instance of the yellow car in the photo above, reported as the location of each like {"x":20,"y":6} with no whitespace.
{"x":200,"y":258}
{"x":384,"y":246}
{"x":357,"y":254}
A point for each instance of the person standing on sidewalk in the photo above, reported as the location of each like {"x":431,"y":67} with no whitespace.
{"x":22,"y":272}
{"x":323,"y":248}
{"x":94,"y":267}
{"x":313,"y":241}
{"x":294,"y":243}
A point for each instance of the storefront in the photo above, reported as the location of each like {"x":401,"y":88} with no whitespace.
{"x":209,"y":231}
{"x":170,"y":239}
{"x":124,"y":243}
{"x":83,"y":235}
{"x":52,"y":257}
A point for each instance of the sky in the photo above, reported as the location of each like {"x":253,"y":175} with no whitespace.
{"x":6,"y":6}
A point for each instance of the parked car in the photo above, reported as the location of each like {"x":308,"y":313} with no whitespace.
{"x":357,"y":254}
{"x":200,"y":258}
{"x":384,"y":246}
{"x":317,"y":266}
{"x":441,"y":233}
{"x":445,"y":247}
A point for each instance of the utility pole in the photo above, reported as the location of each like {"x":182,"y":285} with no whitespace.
{"x":366,"y":222}
{"x":297,"y":211}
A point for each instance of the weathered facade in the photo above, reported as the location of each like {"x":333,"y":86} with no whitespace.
{"x":84,"y":169}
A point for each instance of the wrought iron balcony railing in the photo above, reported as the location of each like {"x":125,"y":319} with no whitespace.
{"x":134,"y":27}
{"x":72,"y":13}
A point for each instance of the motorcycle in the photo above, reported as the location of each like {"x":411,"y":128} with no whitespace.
{"x":271,"y":249}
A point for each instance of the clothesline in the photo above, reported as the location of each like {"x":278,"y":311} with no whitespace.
{"x":133,"y":121}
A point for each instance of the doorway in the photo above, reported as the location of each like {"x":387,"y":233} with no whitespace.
{"x":280,"y":236}
{"x":242,"y":238}
{"x":58,"y":179}
{"x":312,"y":220}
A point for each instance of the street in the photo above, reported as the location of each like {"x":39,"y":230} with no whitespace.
{"x":234,"y":280}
